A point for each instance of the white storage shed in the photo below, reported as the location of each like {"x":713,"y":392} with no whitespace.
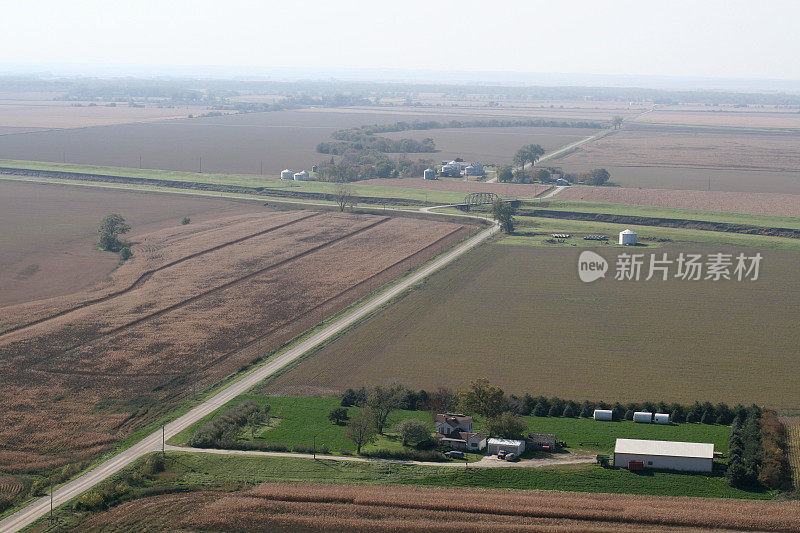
{"x":661,"y":418}
{"x":627,"y":237}
{"x":643,"y":417}
{"x":664,"y":455}
{"x":507,"y":445}
{"x":603,"y":414}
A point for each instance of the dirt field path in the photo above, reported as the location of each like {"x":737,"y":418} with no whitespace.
{"x":40,"y":507}
{"x":486,"y":462}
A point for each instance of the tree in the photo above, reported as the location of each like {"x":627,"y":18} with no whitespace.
{"x":255,"y":417}
{"x":503,"y":213}
{"x":361,"y":429}
{"x":442,"y":401}
{"x":125,"y":253}
{"x":338,"y":416}
{"x":569,"y":411}
{"x":109,"y":230}
{"x":528,"y":154}
{"x":540,"y":410}
{"x":483,"y":398}
{"x":343,"y":194}
{"x":597,"y":177}
{"x":413,"y":430}
{"x":504,"y":173}
{"x":616,"y":121}
{"x":506,"y":426}
{"x":185,"y":220}
{"x":382,"y":401}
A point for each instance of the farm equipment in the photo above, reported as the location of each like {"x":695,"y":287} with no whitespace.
{"x":604,"y":460}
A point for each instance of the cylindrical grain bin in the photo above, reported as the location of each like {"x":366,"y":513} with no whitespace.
{"x":643,"y":417}
{"x":429,"y":174}
{"x":627,"y":237}
{"x":301,"y":176}
{"x":287,"y":174}
{"x":603,"y":414}
{"x":662,"y":418}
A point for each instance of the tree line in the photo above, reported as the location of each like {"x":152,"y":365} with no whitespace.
{"x":378,"y":144}
{"x":758,"y":452}
{"x":356,"y":165}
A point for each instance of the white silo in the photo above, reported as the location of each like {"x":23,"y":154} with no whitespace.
{"x":429,"y":174}
{"x":287,"y":174}
{"x":627,"y":237}
{"x":301,"y":176}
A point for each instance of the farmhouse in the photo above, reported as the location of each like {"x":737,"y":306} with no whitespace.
{"x":455,"y":430}
{"x":636,"y":454}
{"x":505,"y":445}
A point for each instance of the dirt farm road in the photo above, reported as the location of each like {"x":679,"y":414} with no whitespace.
{"x":485,"y":462}
{"x":39,"y":508}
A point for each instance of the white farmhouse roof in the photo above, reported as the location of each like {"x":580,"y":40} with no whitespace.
{"x":505,"y":442}
{"x":701,"y":450}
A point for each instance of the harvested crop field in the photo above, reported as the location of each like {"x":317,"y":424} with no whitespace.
{"x":738,"y":119}
{"x":315,"y":507}
{"x":492,"y":145}
{"x":503,"y":189}
{"x":520,"y":317}
{"x":49,"y":233}
{"x":653,"y":147}
{"x":754,"y":203}
{"x":194,"y":304}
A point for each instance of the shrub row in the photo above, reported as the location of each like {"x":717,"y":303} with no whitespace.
{"x":406,"y":455}
{"x":225,"y":427}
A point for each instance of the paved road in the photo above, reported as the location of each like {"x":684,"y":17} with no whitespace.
{"x":485,"y":462}
{"x":152,"y":442}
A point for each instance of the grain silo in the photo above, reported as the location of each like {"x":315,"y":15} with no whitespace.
{"x":301,"y":176}
{"x":603,"y":414}
{"x":643,"y":417}
{"x":429,"y":174}
{"x":287,"y":174}
{"x":627,"y":237}
{"x":661,"y":418}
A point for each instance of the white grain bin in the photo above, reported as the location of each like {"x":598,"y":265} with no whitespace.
{"x":287,"y":174}
{"x":301,"y":176}
{"x":603,"y":414}
{"x":643,"y":416}
{"x":627,"y":237}
{"x":429,"y":174}
{"x":662,"y":418}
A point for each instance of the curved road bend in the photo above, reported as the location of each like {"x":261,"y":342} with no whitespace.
{"x":39,"y":508}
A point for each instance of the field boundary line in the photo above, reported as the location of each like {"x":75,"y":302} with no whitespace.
{"x":37,"y":509}
{"x":213,"y":290}
{"x":147,"y":274}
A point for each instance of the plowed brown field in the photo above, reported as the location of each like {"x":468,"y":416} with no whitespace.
{"x":194,"y":305}
{"x":296,"y":507}
{"x":754,"y":203}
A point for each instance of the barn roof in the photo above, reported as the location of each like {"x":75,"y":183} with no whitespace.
{"x":700,"y":450}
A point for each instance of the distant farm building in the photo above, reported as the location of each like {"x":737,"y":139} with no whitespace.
{"x":287,"y":174}
{"x":455,"y":430}
{"x":627,"y":237}
{"x":603,"y":414}
{"x":505,"y":445}
{"x":452,"y":169}
{"x":301,"y":176}
{"x":429,"y":174}
{"x":474,"y":169}
{"x":635,"y":454}
{"x":561,"y":182}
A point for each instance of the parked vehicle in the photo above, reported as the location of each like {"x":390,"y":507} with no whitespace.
{"x":511,"y":457}
{"x":454,"y":454}
{"x":501,"y":454}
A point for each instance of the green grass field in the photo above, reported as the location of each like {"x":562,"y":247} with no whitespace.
{"x":519,"y":316}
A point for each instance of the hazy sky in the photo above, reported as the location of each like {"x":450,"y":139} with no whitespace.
{"x":731,"y":38}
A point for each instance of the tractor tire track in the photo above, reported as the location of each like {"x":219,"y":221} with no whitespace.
{"x":148,"y":274}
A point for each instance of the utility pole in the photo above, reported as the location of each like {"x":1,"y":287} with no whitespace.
{"x":314,"y":449}
{"x":140,"y":160}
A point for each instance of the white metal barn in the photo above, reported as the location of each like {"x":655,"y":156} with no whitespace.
{"x":627,"y":237}
{"x":664,"y":455}
{"x":603,"y":414}
{"x":643,"y":417}
{"x":509,"y":446}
